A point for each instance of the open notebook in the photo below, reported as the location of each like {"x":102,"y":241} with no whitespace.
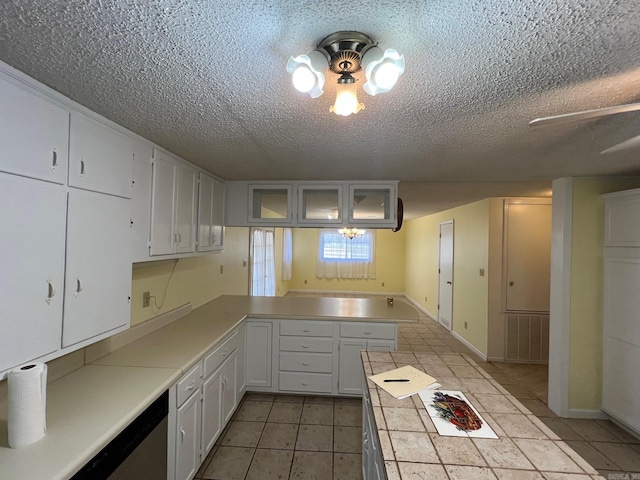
{"x":404,"y":381}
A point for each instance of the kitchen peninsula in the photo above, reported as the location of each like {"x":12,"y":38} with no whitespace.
{"x":88,"y":407}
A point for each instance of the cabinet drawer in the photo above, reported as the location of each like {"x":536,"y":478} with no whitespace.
{"x":189,"y":384}
{"x":306,"y":382}
{"x":306,"y":328}
{"x":306,"y":362}
{"x":367,"y":330}
{"x":303,"y":344}
{"x":220,"y":354}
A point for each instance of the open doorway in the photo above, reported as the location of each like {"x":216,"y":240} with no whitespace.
{"x":263,"y":269}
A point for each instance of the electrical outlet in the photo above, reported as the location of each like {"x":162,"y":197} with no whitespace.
{"x":383,"y":284}
{"x":244,"y":263}
{"x":425,"y":299}
{"x":146,"y":299}
{"x":305,"y":282}
{"x":482,"y":272}
{"x":465,"y":325}
{"x":221,"y":269}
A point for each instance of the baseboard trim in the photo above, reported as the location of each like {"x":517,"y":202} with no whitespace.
{"x":586,"y":413}
{"x":421,"y":308}
{"x":470,"y":346}
{"x":495,"y":359}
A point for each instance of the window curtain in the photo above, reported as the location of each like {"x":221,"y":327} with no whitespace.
{"x":263,"y":272}
{"x":287,"y":254}
{"x":340,"y":257}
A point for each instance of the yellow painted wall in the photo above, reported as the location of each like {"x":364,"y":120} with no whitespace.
{"x":197,"y":280}
{"x":390,"y":261}
{"x":585,"y":359}
{"x":471,"y":247}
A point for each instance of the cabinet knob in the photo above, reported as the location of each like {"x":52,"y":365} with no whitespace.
{"x":191,"y":385}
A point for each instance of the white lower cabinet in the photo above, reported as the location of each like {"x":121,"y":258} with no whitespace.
{"x":212,"y":385}
{"x":188,"y":438}
{"x":311,"y":356}
{"x":372,"y":460}
{"x":259,"y":354}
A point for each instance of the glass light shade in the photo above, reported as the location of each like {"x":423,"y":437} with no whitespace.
{"x":382,"y":69}
{"x":346,"y":100}
{"x":308,"y":72}
{"x":351,"y":233}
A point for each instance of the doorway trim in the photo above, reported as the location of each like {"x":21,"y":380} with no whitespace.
{"x":448,"y":222}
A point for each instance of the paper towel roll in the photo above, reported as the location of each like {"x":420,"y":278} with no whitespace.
{"x":27,"y":402}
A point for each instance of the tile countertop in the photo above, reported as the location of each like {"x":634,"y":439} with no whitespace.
{"x":411,"y":447}
{"x":85,"y":411}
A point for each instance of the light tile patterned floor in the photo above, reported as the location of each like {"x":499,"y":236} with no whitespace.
{"x":309,"y":438}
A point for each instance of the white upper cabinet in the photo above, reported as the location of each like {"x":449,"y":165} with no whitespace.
{"x":100,"y":159}
{"x":210,"y":214}
{"x":186,"y":184}
{"x":364,"y":204}
{"x":320,"y":204}
{"x":270,"y":204}
{"x":34,"y":135}
{"x":372,"y":204}
{"x":173,"y":206}
{"x":163,"y":204}
{"x":32,"y":240}
{"x":98,"y":273}
{"x":622,"y":219}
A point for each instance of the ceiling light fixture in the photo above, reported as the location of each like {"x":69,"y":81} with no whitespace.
{"x":345,"y":53}
{"x":351,"y":233}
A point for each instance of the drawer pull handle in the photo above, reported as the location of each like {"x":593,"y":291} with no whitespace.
{"x":367,"y":333}
{"x":82,"y":170}
{"x":306,"y":330}
{"x":224,"y":354}
{"x":304,"y":384}
{"x":51,"y":291}
{"x":191,"y":385}
{"x":182,"y":434}
{"x":78,"y":286}
{"x":305,"y":346}
{"x":305,"y":364}
{"x":54,"y":162}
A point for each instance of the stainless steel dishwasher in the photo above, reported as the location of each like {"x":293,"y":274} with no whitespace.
{"x":139,"y":452}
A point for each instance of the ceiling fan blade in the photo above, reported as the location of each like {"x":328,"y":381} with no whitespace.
{"x":626,"y":145}
{"x":585,"y":115}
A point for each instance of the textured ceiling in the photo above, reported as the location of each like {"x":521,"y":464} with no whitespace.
{"x":206,"y":79}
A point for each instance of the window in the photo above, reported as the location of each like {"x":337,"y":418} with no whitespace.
{"x":340,"y":257}
{"x":335,"y":247}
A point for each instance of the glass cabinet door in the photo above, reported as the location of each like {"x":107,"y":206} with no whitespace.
{"x":270,"y":203}
{"x":371,"y":204}
{"x":320,"y":204}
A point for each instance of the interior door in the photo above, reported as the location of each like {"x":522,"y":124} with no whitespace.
{"x":445,"y":282}
{"x":528,"y":257}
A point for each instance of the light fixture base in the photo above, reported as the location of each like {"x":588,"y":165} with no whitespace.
{"x":345,"y":49}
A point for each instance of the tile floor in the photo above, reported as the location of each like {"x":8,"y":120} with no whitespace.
{"x":309,"y":438}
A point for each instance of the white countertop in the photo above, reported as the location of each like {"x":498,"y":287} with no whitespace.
{"x":85,"y":411}
{"x":317,"y":308}
{"x":87,"y":408}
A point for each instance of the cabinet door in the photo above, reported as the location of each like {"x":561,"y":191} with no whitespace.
{"x":217,"y":217}
{"x":188,"y":439}
{"x":320,"y":204}
{"x":100,"y":159}
{"x":98,"y":269}
{"x":372,"y":204}
{"x":205,"y":213}
{"x":163,"y":205}
{"x":381,"y":345}
{"x":211,"y":410}
{"x":350,"y":370}
{"x":186,"y":182}
{"x":259,"y":360}
{"x":34,"y":135}
{"x":229,"y":392}
{"x":270,"y":204}
{"x":32,"y":258}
